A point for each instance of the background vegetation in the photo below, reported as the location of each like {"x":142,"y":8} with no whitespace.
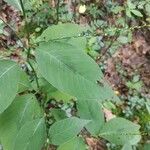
{"x":113,"y":33}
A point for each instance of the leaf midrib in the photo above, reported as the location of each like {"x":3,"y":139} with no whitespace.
{"x":75,"y":72}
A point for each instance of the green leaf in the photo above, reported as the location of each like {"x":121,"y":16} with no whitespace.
{"x":79,"y":42}
{"x":61,"y":96}
{"x":31,"y":136}
{"x":24,"y":108}
{"x":58,"y":114}
{"x":147,"y":8}
{"x":148,"y":106}
{"x":130,"y":4}
{"x":91,"y":110}
{"x":76,"y":143}
{"x":15,"y":3}
{"x":61,"y":31}
{"x":1,"y":27}
{"x":123,"y":39}
{"x":127,"y":147}
{"x":45,"y":86}
{"x":24,"y":83}
{"x":128,"y":13}
{"x":120,"y":131}
{"x":53,"y":93}
{"x":147,"y":146}
{"x":64,"y":130}
{"x":9,"y":78}
{"x":137,"y":13}
{"x":72,"y":71}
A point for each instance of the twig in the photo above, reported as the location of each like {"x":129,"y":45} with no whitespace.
{"x":28,"y":38}
{"x":109,"y":46}
{"x":36,"y":78}
{"x":57,"y":11}
{"x":26,"y":28}
{"x":13,"y":30}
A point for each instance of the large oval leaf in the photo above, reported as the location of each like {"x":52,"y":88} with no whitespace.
{"x":9,"y":78}
{"x":91,"y":110}
{"x":120,"y":131}
{"x":24,"y":108}
{"x":76,"y":143}
{"x":31,"y":136}
{"x":64,"y":130}
{"x":72,"y":71}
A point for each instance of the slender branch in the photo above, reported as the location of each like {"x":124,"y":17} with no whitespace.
{"x":109,"y":46}
{"x":74,"y":10}
{"x":57,"y":11}
{"x":13,"y":30}
{"x":36,"y":78}
{"x":26,"y":28}
{"x":28,"y":38}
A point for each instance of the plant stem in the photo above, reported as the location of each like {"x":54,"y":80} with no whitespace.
{"x":36,"y":78}
{"x":27,"y":29}
{"x":28,"y":47}
{"x":13,"y":30}
{"x":57,"y":11}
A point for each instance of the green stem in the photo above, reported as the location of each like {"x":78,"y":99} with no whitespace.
{"x":26,"y":28}
{"x":36,"y":78}
{"x":57,"y":10}
{"x":28,"y":38}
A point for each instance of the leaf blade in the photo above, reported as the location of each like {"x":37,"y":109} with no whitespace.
{"x":71,"y":71}
{"x":64,"y":130}
{"x":23,"y":109}
{"x":9,"y":74}
{"x":73,"y":144}
{"x":120,"y":131}
{"x":31,"y":136}
{"x":91,"y":110}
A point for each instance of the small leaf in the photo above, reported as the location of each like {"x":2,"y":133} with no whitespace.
{"x":123,"y":39}
{"x":32,"y":136}
{"x":148,"y":106}
{"x":120,"y":131}
{"x":9,"y":79}
{"x":58,"y":114}
{"x":130,"y":4}
{"x":64,"y":130}
{"x":76,"y":143}
{"x":128,"y":13}
{"x":91,"y":110}
{"x":147,"y":7}
{"x":137,"y":13}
